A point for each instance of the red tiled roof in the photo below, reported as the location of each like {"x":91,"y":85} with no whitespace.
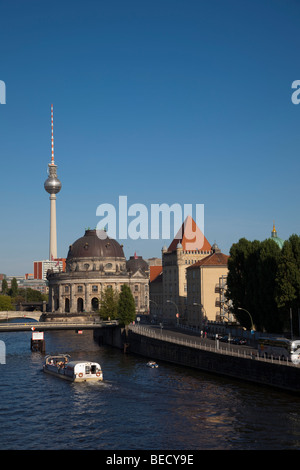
{"x":158,"y":278}
{"x":215,"y":259}
{"x":154,"y":272}
{"x":190,"y":237}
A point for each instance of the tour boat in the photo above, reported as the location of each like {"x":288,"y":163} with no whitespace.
{"x":75,"y":371}
{"x":152,"y":364}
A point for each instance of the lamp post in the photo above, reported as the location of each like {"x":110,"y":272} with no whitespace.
{"x":252,"y":325}
{"x":156,"y":307}
{"x":201,"y":313}
{"x":177,"y":313}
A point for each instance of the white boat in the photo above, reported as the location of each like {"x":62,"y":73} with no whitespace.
{"x":152,"y":364}
{"x":74,"y":371}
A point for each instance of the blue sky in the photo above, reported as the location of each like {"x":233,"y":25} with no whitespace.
{"x":164,"y":101}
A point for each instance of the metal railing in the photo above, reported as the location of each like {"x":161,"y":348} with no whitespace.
{"x":208,"y":346}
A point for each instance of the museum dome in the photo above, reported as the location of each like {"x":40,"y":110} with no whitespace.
{"x":276,"y":239}
{"x":135,"y":263}
{"x":92,"y":245}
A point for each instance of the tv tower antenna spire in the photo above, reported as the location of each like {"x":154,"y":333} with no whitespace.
{"x":52,"y":185}
{"x":52,"y":138}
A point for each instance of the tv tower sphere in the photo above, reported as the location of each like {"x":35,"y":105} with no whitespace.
{"x":52,"y":184}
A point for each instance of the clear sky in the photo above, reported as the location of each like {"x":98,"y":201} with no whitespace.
{"x":164,"y":101}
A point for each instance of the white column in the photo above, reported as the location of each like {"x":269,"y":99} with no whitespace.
{"x":53,"y":239}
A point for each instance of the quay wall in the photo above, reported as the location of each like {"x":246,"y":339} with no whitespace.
{"x":282,"y":376}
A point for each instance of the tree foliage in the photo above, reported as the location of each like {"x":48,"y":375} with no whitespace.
{"x":30,"y":295}
{"x":5,"y":303}
{"x":4,"y":286}
{"x":264,"y":280}
{"x":126,"y":306}
{"x":288,"y":279}
{"x":109,"y":304}
{"x":13,"y":291}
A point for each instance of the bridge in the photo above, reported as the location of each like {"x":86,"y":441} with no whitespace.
{"x":12,"y":315}
{"x":37,"y":325}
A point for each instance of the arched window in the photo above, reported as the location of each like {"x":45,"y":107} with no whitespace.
{"x":67,"y":305}
{"x":95,"y":304}
{"x":79,"y":304}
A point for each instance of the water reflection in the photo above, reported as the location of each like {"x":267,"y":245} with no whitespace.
{"x":135,"y":407}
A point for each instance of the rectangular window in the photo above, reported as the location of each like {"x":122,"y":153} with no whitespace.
{"x":94,"y":288}
{"x":79,"y":289}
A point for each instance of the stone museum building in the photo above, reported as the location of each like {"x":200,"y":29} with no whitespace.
{"x":92,"y":265}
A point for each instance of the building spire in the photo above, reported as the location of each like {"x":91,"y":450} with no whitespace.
{"x":52,"y":138}
{"x":274,"y":233}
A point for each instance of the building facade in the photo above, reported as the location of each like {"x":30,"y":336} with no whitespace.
{"x":168,"y":292}
{"x":191,"y":285}
{"x":40,"y":268}
{"x":206,"y":286}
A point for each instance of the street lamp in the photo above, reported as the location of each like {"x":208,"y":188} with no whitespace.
{"x":156,"y":305}
{"x":201,"y":313}
{"x":177,"y":313}
{"x":252,"y":325}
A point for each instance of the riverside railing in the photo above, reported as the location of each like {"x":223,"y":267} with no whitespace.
{"x":208,"y":346}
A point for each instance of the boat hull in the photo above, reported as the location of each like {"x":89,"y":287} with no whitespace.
{"x":73,"y":372}
{"x":72,"y":378}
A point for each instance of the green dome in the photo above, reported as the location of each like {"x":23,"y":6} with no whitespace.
{"x":276,"y":239}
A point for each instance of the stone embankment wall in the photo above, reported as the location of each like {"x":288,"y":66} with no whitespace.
{"x":283,"y":376}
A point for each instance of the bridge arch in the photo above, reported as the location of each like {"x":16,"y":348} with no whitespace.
{"x":11,"y":315}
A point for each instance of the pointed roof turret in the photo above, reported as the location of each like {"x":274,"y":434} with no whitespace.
{"x":190,"y":237}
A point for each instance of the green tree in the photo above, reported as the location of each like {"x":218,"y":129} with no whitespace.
{"x":241,"y":280}
{"x":5,"y":303}
{"x":252,"y":271}
{"x":126,"y":306}
{"x":13,"y":291}
{"x":30,"y":295}
{"x":267,"y":311}
{"x":4,"y":286}
{"x":109,"y":304}
{"x":288,"y":281}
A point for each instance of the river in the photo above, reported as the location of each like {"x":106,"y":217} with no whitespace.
{"x":135,"y":407}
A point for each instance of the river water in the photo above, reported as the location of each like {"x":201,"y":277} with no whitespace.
{"x":135,"y":407}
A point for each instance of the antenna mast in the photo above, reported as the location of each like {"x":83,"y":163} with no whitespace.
{"x":52,"y":138}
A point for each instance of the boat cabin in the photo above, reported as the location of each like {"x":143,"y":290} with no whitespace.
{"x":83,"y":370}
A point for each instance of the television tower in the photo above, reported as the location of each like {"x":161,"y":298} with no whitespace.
{"x":52,"y":185}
